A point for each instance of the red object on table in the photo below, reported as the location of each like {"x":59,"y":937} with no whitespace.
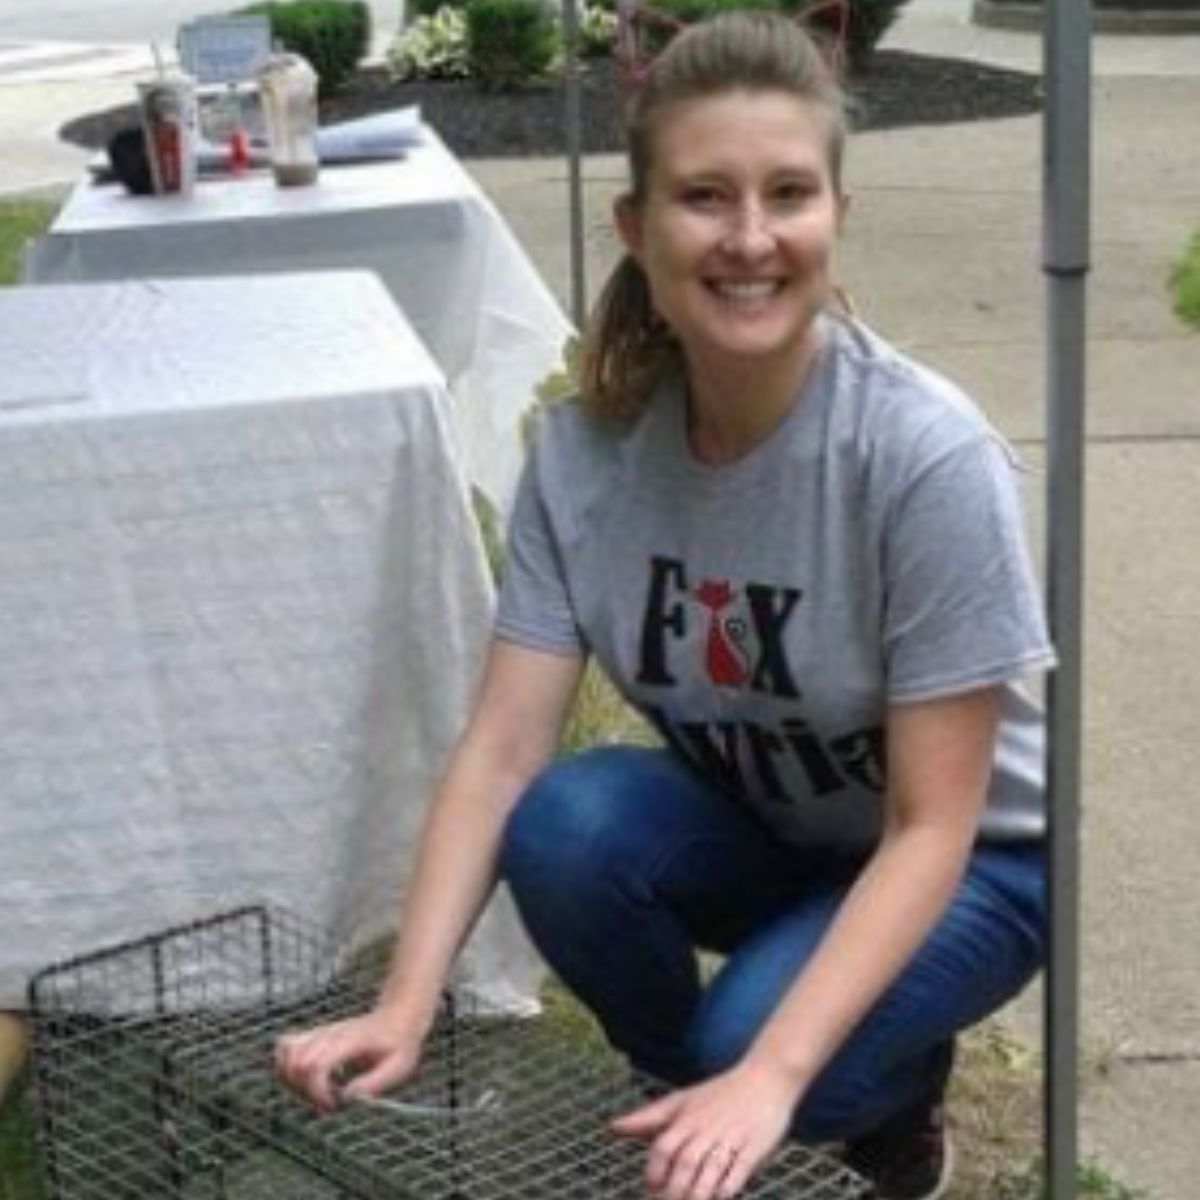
{"x":239,"y":151}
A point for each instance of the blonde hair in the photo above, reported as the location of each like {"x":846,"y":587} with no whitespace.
{"x":627,"y":349}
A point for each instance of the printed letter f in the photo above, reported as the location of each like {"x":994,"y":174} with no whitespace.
{"x":661,"y":614}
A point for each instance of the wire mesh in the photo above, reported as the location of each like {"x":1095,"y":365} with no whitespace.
{"x":154,"y":1079}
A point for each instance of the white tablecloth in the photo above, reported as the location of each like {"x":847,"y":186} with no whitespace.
{"x":422,"y":223}
{"x":242,"y":607}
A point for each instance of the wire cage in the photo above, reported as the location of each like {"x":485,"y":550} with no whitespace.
{"x":153,"y":1076}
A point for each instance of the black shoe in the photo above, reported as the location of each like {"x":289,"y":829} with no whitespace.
{"x":909,"y":1156}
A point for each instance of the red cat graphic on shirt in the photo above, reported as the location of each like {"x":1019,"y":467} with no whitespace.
{"x":724,"y":658}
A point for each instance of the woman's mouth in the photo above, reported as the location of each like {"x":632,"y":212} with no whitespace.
{"x":746,"y":291}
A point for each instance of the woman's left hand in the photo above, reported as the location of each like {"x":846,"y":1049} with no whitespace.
{"x":707,"y":1140}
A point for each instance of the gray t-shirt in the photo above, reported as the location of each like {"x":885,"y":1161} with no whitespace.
{"x":764,"y":613}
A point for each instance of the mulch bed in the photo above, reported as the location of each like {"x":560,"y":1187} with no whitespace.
{"x":899,"y":89}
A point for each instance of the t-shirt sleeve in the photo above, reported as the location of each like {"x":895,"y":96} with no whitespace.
{"x":534,"y":607}
{"x":963,"y":609}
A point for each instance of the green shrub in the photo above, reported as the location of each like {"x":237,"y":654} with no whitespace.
{"x":1185,"y":284}
{"x":510,"y":42}
{"x":866,"y":21}
{"x":507,"y":42}
{"x":432,"y":47}
{"x":332,"y":34}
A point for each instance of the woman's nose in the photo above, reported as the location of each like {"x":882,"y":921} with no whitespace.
{"x":750,"y":234}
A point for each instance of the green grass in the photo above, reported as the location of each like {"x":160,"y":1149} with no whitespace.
{"x":20,"y":220}
{"x":1092,"y":1182}
{"x":1095,"y":1183}
{"x":19,"y":1179}
{"x":1185,"y":284}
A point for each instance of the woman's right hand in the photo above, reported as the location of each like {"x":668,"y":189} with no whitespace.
{"x":516,"y":724}
{"x":371,"y":1053}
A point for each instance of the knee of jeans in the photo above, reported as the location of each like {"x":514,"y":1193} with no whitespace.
{"x":716,"y":1040}
{"x":564,"y":822}
{"x":832,"y":1108}
{"x":728,"y":1018}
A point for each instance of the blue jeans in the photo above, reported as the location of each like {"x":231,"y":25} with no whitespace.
{"x":623,"y":861}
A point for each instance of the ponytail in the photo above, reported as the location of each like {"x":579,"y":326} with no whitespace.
{"x":627,"y":349}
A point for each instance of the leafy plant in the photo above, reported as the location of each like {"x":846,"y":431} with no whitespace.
{"x":1095,"y":1183}
{"x":432,"y":47}
{"x":332,"y":34}
{"x":597,"y":31}
{"x":435,"y":46}
{"x":1185,"y":283}
{"x":510,"y":42}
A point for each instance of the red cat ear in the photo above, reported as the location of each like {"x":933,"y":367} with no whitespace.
{"x":643,"y":32}
{"x":828,"y":22}
{"x":714,"y":593}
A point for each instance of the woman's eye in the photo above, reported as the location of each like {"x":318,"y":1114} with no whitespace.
{"x":702,"y":197}
{"x":791,"y":195}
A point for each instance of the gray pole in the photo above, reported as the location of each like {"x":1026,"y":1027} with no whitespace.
{"x":570,"y":22}
{"x":1066,"y":237}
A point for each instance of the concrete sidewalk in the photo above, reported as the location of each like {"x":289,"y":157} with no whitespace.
{"x":942,"y":255}
{"x":32,"y":159}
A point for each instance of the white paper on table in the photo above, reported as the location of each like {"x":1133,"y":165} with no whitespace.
{"x":382,"y":135}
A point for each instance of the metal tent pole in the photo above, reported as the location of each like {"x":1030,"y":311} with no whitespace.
{"x":1065,"y":254}
{"x":570,"y":24}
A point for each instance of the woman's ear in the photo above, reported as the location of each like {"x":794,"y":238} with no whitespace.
{"x":627,"y":217}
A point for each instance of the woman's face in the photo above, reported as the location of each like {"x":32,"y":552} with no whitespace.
{"x":738,"y":224}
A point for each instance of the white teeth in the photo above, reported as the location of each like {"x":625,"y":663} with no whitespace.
{"x":756,"y":290}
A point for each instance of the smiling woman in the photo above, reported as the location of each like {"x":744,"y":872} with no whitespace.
{"x":729,"y":238}
{"x":799,"y":554}
{"x":736,"y":237}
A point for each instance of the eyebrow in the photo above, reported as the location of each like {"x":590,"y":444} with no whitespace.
{"x":806,"y":172}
